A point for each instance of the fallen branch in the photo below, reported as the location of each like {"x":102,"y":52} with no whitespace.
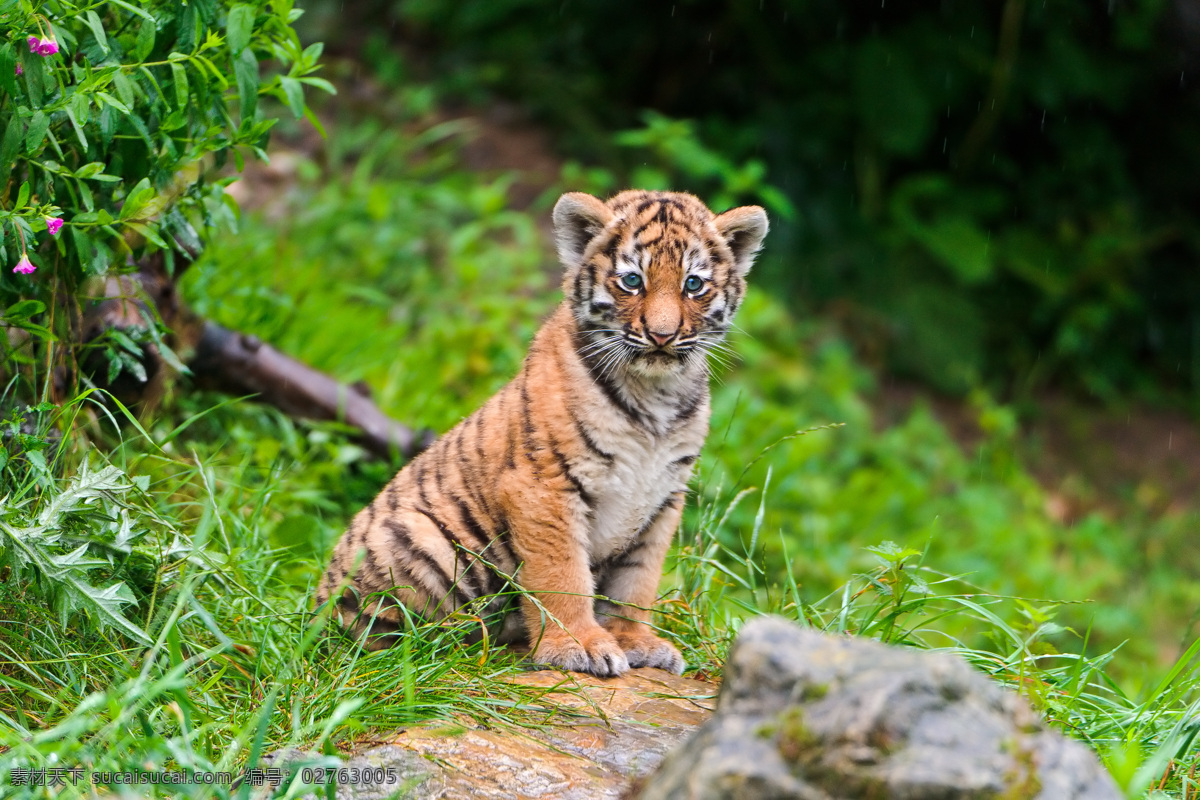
{"x":243,"y":364}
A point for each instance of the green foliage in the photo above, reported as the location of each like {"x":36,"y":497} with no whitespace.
{"x":116,"y":134}
{"x":999,"y":190}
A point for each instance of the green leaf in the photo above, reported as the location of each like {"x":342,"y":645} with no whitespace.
{"x":321,"y":84}
{"x":245,"y":70}
{"x":239,"y":28}
{"x":148,"y":232}
{"x":105,"y":605}
{"x":891,"y":552}
{"x":133,"y":9}
{"x":80,"y":106}
{"x":315,"y":121}
{"x":8,"y":69}
{"x":90,"y":170}
{"x":22,"y":196}
{"x":108,"y":124}
{"x":10,"y":145}
{"x":108,"y":99}
{"x":39,"y":123}
{"x":23,"y":310}
{"x":136,"y":200}
{"x":78,"y":129}
{"x":179,"y":77}
{"x":145,"y":39}
{"x":960,"y":246}
{"x":92,"y":19}
{"x":312,"y":54}
{"x":34,"y":80}
{"x":294,"y":92}
{"x":124,"y":88}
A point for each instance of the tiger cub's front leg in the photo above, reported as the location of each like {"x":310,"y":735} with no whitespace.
{"x":548,"y":533}
{"x":628,"y":582}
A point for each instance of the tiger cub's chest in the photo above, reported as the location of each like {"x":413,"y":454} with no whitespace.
{"x":627,"y":489}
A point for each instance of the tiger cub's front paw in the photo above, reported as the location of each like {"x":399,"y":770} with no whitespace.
{"x":595,"y":652}
{"x":643,"y":649}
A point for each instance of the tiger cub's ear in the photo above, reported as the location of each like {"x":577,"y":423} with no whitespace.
{"x":743,"y":229}
{"x":578,"y":217}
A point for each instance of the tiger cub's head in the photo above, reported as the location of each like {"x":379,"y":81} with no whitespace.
{"x":653,"y":278}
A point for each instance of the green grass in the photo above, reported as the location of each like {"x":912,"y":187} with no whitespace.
{"x":394,"y":266}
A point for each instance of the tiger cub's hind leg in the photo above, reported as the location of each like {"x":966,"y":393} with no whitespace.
{"x":404,"y":569}
{"x":629,"y":580}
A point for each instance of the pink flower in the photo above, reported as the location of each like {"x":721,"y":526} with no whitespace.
{"x":43,"y":47}
{"x":19,"y":70}
{"x":54,"y":225}
{"x":24,"y":266}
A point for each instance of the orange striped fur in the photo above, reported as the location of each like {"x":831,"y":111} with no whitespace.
{"x":571,"y":479}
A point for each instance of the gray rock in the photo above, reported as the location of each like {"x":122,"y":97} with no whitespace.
{"x":377,"y":774}
{"x":817,"y":717}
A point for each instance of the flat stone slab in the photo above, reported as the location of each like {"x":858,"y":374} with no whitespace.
{"x":607,"y":732}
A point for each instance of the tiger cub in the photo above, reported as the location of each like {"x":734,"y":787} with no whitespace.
{"x":571,"y":479}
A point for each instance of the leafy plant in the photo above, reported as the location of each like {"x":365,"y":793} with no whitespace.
{"x":116,"y":118}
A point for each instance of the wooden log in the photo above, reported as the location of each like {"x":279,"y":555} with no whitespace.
{"x":239,"y":363}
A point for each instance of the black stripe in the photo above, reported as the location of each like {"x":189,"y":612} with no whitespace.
{"x":460,"y":552}
{"x":439,"y":471}
{"x":469,"y":473}
{"x":356,"y":536}
{"x":588,"y":442}
{"x":348,"y":601}
{"x":647,"y":242}
{"x":590,"y":286}
{"x":688,"y":411}
{"x":583,"y":493}
{"x":500,"y":543}
{"x":331,"y":582}
{"x":620,"y":559}
{"x":491,"y":580}
{"x":576,"y":287}
{"x":477,"y":472}
{"x":403,"y":537}
{"x":471,"y":523}
{"x":381,"y":628}
{"x":510,"y":448}
{"x":419,"y":476}
{"x":526,"y":420}
{"x":611,"y":250}
{"x":606,"y":386}
{"x":658,"y":512}
{"x":610,"y":391}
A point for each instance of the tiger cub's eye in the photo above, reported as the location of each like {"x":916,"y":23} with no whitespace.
{"x":693,"y":283}
{"x":631,"y":280}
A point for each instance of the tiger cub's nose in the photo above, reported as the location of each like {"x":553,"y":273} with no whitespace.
{"x":660,"y":339}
